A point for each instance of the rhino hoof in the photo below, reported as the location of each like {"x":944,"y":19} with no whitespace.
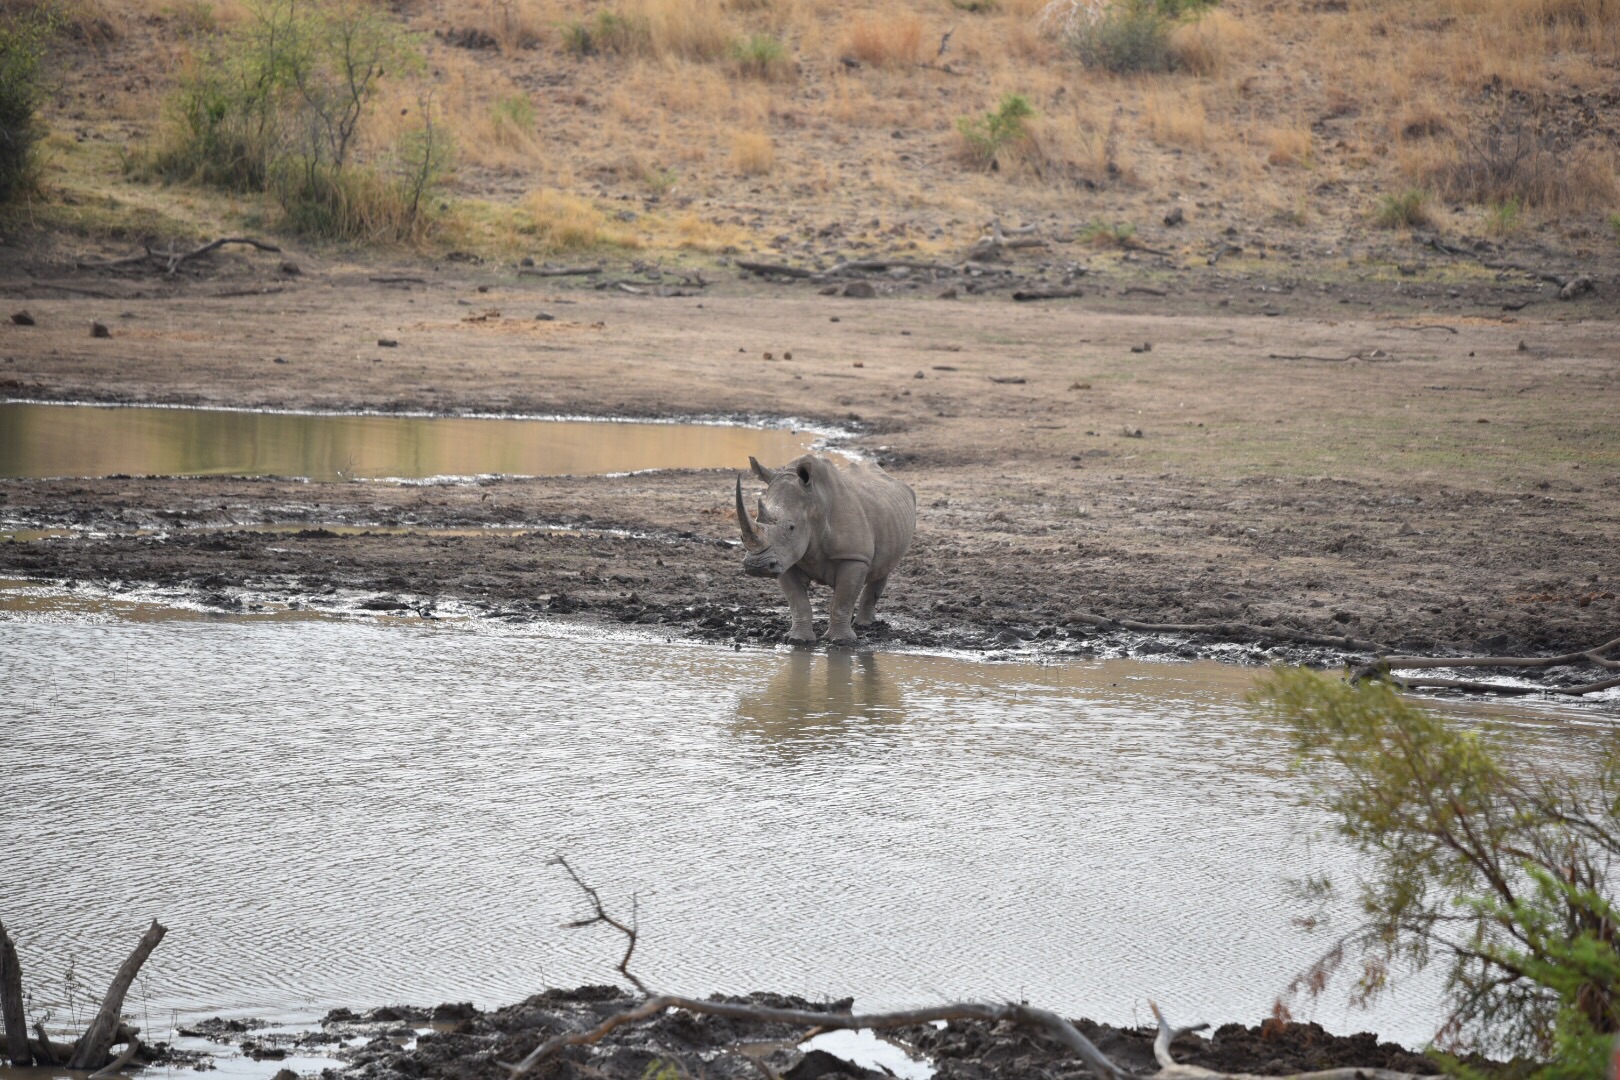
{"x":801,"y":641}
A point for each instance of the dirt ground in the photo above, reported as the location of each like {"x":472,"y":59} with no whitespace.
{"x":1205,"y":455}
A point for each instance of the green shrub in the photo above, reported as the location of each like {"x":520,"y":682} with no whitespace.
{"x":1122,"y":36}
{"x":761,"y":56}
{"x":1473,"y":861}
{"x":986,"y":137}
{"x":1103,"y":235}
{"x":609,"y":32}
{"x":25,"y":34}
{"x":280,"y":105}
{"x":1504,"y":218}
{"x":513,"y":115}
{"x":1402,"y":211}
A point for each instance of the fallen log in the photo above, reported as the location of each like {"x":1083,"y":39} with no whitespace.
{"x":558,"y":271}
{"x":171,"y":260}
{"x":1385,"y":666}
{"x":91,"y":1051}
{"x":11,"y":1003}
{"x":132,"y":1047}
{"x":779,"y":269}
{"x":1067,"y":292}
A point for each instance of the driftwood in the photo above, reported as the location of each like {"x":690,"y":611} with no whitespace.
{"x":558,"y":271}
{"x":11,"y":1003}
{"x":1061,"y":293}
{"x":779,"y":269}
{"x":171,"y":260}
{"x":1022,"y":1015}
{"x":91,"y":1051}
{"x":1385,"y":665}
{"x":132,"y":1047}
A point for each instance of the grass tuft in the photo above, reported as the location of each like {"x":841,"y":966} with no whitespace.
{"x":1403,"y":211}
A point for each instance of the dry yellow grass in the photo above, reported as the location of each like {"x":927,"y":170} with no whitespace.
{"x":1289,"y":145}
{"x":557,"y":222}
{"x":752,"y":153}
{"x":1210,"y":45}
{"x":1176,"y":117}
{"x":885,"y":41}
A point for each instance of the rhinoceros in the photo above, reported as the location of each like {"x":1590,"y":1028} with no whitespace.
{"x":843,"y":526}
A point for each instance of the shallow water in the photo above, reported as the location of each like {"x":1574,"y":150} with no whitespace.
{"x":354,"y":811}
{"x":38,"y":440}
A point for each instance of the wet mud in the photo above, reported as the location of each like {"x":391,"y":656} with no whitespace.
{"x":459,"y":1042}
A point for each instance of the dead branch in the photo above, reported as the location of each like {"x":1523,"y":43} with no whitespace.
{"x":11,"y":1003}
{"x":1506,"y":689}
{"x":75,"y":290}
{"x":1374,"y":354}
{"x":131,"y":1048}
{"x":171,"y":260}
{"x":1062,"y":293}
{"x":780,"y":269}
{"x":1385,"y":665}
{"x":602,"y":916}
{"x":558,"y":271}
{"x":398,"y":280}
{"x":91,"y":1051}
{"x":228,"y":293}
{"x":1223,"y":251}
{"x":44,"y":1052}
{"x":1170,"y":1070}
{"x":1143,"y":290}
{"x":1023,"y":1015}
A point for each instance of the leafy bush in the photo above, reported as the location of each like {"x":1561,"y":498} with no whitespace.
{"x":986,"y":137}
{"x":1121,"y":36}
{"x":761,"y":56}
{"x":281,"y":106}
{"x":1476,"y":862}
{"x":25,"y":34}
{"x":1403,"y":210}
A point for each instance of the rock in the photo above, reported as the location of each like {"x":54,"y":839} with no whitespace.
{"x":291,"y":269}
{"x":787,"y":355}
{"x":99,"y":330}
{"x":919,"y":375}
{"x":860,"y":290}
{"x":387,"y":343}
{"x":948,"y":294}
{"x":279,"y":360}
{"x":859,"y":363}
{"x":22,"y":318}
{"x":1575,"y":287}
{"x":818,"y":1063}
{"x":285,"y":1074}
{"x":526,"y":261}
{"x":1146,"y":346}
{"x":340,"y":1016}
{"x":1174,"y":217}
{"x":1132,"y":433}
{"x":460,"y":1010}
{"x":833,"y":319}
{"x":544,"y":316}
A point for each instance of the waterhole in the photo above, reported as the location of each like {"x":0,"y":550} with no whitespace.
{"x":333,"y":812}
{"x":41,"y":440}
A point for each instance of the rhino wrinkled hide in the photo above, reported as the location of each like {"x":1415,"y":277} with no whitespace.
{"x":845,"y":526}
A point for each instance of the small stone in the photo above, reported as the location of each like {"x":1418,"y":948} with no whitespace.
{"x":919,"y":375}
{"x":858,"y":363}
{"x":834,"y":319}
{"x":768,"y":356}
{"x":22,"y":318}
{"x":387,"y":343}
{"x":483,"y":288}
{"x":1174,"y":217}
{"x":948,"y":294}
{"x":544,"y":316}
{"x":279,"y":360}
{"x":860,"y":290}
{"x":99,"y":330}
{"x":787,"y":356}
{"x":290,"y":268}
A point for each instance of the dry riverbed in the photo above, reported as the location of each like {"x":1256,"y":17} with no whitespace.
{"x":1208,"y":456}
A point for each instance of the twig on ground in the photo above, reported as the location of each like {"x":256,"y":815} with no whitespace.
{"x":602,"y":916}
{"x":397,"y":280}
{"x":171,"y":260}
{"x":558,"y":271}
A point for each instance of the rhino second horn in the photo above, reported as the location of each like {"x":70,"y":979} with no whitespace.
{"x":759,"y":470}
{"x":751,"y":539}
{"x":764,"y":515}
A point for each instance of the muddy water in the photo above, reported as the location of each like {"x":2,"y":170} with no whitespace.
{"x":84,"y":440}
{"x":346,"y":812}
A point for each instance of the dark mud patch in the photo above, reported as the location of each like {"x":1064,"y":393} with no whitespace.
{"x":466,"y":1044}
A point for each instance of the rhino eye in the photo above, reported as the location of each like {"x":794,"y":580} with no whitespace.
{"x":791,"y":526}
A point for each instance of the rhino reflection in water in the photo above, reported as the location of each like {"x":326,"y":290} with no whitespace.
{"x":813,"y":697}
{"x":845,"y":527}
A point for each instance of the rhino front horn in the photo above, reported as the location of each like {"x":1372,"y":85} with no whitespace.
{"x":751,"y":539}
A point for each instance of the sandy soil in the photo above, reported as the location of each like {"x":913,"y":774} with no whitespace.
{"x":1205,"y":455}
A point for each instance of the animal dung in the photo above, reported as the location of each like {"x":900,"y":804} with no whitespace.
{"x":787,"y":356}
{"x":99,"y":330}
{"x":387,"y":343}
{"x":1146,"y":346}
{"x":768,"y":356}
{"x":1080,"y":386}
{"x":919,"y":375}
{"x":858,"y":363}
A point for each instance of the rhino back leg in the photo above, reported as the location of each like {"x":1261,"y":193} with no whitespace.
{"x":867,"y":614}
{"x":847,"y":586}
{"x":793,"y":583}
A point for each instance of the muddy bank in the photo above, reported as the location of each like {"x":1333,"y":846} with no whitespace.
{"x":1438,"y":477}
{"x":459,"y":1042}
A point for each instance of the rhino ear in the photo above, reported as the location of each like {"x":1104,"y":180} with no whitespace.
{"x":759,"y":470}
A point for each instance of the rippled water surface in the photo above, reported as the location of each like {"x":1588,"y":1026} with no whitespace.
{"x":349,"y":812}
{"x":88,"y":440}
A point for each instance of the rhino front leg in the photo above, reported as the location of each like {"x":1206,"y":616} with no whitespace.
{"x":867,"y":614}
{"x":847,"y":585}
{"x":803,"y":630}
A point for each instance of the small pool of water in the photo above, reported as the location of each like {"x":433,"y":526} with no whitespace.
{"x":46,"y":440}
{"x":351,"y":812}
